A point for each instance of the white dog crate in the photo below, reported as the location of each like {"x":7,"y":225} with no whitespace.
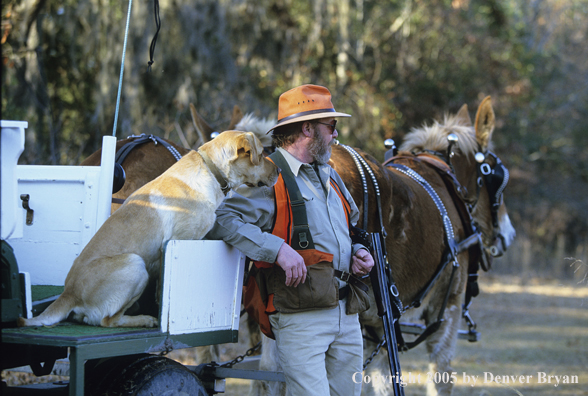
{"x":50,"y":213}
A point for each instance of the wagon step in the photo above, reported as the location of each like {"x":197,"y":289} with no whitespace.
{"x":213,"y":375}
{"x":414,"y":328}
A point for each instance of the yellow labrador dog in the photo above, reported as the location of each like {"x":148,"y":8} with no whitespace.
{"x":113,"y":269}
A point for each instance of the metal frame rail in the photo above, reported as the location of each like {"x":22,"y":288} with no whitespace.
{"x":102,"y":344}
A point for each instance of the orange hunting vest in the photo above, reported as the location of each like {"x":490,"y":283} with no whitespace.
{"x":258,"y":301}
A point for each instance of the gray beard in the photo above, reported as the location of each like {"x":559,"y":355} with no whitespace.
{"x":319,"y":149}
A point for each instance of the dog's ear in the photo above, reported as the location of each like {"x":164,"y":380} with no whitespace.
{"x":250,"y":145}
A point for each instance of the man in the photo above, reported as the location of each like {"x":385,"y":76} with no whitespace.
{"x":299,"y":234}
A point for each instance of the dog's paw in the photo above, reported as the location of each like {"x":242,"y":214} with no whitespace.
{"x":153,"y":322}
{"x":130,"y":321}
{"x":147,"y":321}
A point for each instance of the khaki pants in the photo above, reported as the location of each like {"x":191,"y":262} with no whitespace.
{"x":319,"y":351}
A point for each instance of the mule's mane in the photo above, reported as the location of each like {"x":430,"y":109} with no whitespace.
{"x":434,"y":137}
{"x":259,"y":126}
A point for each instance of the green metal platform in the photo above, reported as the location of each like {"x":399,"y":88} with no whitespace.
{"x":91,"y":342}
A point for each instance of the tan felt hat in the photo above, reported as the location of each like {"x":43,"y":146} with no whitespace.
{"x":303,"y":103}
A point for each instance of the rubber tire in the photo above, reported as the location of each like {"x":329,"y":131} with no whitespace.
{"x":141,"y":375}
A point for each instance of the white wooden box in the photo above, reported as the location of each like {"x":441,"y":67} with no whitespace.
{"x":202,"y":287}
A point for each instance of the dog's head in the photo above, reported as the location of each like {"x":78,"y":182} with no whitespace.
{"x":239,"y":156}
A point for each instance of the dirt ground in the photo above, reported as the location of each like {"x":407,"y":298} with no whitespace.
{"x":534,"y":333}
{"x":538,"y":330}
{"x":534,"y":328}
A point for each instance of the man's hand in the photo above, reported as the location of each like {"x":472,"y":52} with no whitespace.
{"x":362,"y":262}
{"x":293,"y":265}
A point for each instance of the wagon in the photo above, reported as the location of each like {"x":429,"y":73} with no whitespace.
{"x":49,"y":213}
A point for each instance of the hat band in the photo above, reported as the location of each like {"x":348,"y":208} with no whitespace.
{"x":305,"y":113}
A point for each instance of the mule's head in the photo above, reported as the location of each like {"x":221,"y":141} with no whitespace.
{"x":480,"y":173}
{"x":491,"y":178}
{"x":205,"y":131}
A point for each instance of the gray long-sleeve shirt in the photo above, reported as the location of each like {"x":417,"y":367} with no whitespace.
{"x":246,"y":217}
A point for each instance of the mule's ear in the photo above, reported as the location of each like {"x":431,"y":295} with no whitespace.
{"x":204,"y":130}
{"x":236,"y":117}
{"x":250,"y":145}
{"x":464,"y":116}
{"x":485,"y":122}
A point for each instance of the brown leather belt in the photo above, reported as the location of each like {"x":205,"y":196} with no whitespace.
{"x":350,"y":278}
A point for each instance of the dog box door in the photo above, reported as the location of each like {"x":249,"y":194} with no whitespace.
{"x":202,"y":287}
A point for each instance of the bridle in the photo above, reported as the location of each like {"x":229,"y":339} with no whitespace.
{"x":494,"y":174}
{"x":490,"y":172}
{"x":495,"y":177}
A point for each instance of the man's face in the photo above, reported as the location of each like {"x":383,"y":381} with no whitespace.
{"x":323,"y":140}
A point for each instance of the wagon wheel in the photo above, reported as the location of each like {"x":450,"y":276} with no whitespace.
{"x":141,"y":375}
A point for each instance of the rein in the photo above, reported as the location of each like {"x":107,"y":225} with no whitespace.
{"x":362,"y":166}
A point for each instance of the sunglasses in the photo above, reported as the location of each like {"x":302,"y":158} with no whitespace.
{"x":333,"y":126}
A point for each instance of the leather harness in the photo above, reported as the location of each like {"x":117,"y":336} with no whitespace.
{"x":125,"y":150}
{"x":142,"y":139}
{"x":472,"y":242}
